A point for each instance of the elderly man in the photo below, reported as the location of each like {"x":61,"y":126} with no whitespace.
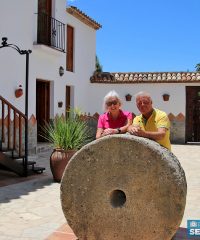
{"x":152,"y":123}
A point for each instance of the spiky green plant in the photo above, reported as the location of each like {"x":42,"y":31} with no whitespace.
{"x":99,"y":67}
{"x":67,"y":134}
{"x":197,"y":67}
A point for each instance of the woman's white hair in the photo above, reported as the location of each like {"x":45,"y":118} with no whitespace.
{"x":111,"y":94}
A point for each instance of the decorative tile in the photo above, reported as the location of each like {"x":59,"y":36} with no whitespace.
{"x":171,"y":116}
{"x":32,"y":120}
{"x":180,"y":117}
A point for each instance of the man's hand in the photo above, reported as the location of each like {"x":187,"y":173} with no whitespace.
{"x":156,"y":135}
{"x":137,"y":131}
{"x":134,"y":129}
{"x":141,"y":133}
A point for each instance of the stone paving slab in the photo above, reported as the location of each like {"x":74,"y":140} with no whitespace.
{"x":189,"y":157}
{"x":31,"y":210}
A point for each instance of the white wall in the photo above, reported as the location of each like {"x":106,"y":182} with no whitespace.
{"x":175,"y":105}
{"x":16,"y":19}
{"x":85,"y":52}
{"x":18,"y":22}
{"x":45,"y":66}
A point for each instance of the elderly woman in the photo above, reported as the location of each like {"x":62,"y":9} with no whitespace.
{"x":114,"y":120}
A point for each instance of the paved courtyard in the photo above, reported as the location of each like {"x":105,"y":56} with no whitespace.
{"x":30,"y":208}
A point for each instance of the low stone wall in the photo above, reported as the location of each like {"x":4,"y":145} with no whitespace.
{"x":92,"y":123}
{"x":177,"y":130}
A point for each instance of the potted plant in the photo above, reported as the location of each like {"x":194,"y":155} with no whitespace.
{"x":67,"y":136}
{"x":19,"y":91}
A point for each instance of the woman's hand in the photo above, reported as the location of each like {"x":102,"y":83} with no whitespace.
{"x":105,"y":132}
{"x":109,"y":131}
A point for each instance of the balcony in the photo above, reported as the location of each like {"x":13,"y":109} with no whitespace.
{"x":51,"y":32}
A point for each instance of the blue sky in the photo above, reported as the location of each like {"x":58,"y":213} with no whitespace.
{"x":145,"y":35}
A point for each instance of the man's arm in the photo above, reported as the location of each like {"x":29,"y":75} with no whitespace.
{"x":156,"y":135}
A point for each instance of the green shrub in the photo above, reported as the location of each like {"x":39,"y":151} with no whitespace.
{"x":70,"y":133}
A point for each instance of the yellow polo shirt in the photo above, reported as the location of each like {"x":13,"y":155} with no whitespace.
{"x":158,"y":119}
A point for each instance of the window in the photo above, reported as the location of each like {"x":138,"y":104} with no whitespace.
{"x":70,"y":49}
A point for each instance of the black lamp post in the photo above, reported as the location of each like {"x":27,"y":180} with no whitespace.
{"x":22,"y":52}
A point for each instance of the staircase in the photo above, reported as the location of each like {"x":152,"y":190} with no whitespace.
{"x":14,"y":141}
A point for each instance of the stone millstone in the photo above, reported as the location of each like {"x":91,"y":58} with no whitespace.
{"x":123,"y":187}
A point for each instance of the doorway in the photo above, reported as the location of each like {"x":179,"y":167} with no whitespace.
{"x":42,"y":106}
{"x":193,"y":114}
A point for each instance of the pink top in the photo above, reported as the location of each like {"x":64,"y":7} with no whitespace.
{"x":106,"y":121}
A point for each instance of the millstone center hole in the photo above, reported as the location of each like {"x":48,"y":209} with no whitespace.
{"x":117,"y":198}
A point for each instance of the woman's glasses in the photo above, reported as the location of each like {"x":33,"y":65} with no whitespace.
{"x":111,"y":103}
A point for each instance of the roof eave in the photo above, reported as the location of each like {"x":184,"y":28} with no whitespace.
{"x":83,"y":17}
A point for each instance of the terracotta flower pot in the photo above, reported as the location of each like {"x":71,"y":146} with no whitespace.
{"x":19,"y":92}
{"x":58,"y":161}
{"x":128,"y":97}
{"x":166,"y":97}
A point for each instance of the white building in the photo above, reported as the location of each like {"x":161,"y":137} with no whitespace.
{"x":63,"y":44}
{"x":61,"y":68}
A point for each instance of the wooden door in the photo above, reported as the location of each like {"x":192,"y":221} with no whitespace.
{"x":44,"y":21}
{"x":42,"y":106}
{"x":70,"y":49}
{"x":44,"y":6}
{"x":68,"y":100}
{"x":193,"y":114}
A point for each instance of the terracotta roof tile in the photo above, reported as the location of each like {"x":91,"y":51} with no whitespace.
{"x":83,"y":17}
{"x":145,"y":77}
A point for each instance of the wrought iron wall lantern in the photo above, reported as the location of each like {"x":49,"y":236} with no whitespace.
{"x":61,"y":71}
{"x":128,"y":97}
{"x":166,"y":97}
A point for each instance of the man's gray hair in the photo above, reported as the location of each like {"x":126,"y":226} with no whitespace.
{"x":143,"y":94}
{"x":109,"y":95}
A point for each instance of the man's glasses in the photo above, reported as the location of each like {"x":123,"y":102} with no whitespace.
{"x":143,"y":102}
{"x":111,"y":103}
